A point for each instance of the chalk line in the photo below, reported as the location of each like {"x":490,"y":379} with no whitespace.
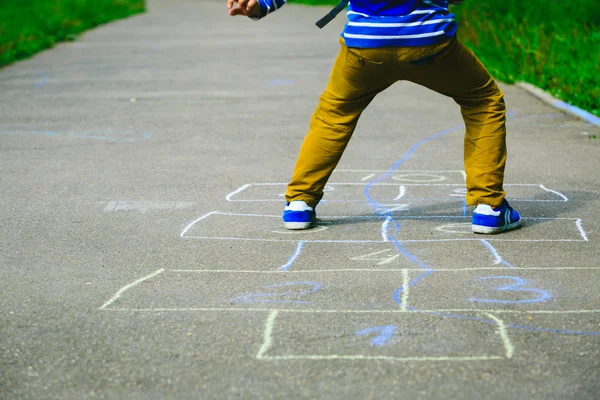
{"x":366,"y":311}
{"x":497,"y":258}
{"x":404,"y":170}
{"x":402,"y":192}
{"x":579,"y":225}
{"x":267,"y":336}
{"x":384,"y":228}
{"x":286,"y":267}
{"x":502,"y":332}
{"x":306,"y":271}
{"x":129,"y":286}
{"x":199,"y":219}
{"x":555,"y":192}
{"x":380,"y":241}
{"x":405,"y":289}
{"x":366,"y":178}
{"x":238,"y":190}
{"x":359,"y":357}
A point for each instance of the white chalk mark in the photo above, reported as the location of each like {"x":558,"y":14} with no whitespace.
{"x":247,"y":215}
{"x":129,"y":286}
{"x":395,"y":184}
{"x":402,"y":192}
{"x":376,"y":217}
{"x":307,"y":271}
{"x":187,"y":228}
{"x":145,"y":206}
{"x":238,"y":190}
{"x":432,"y":178}
{"x":366,"y":178}
{"x":383,"y":358}
{"x":361,"y":201}
{"x":502,"y":332}
{"x":111,"y":206}
{"x":464,"y":174}
{"x":459,"y":193}
{"x":287,"y":265}
{"x":372,"y":257}
{"x":461,"y":228}
{"x":555,"y":192}
{"x":579,"y":225}
{"x":384,"y":228}
{"x":267,"y":336}
{"x":497,"y":258}
{"x":379,"y":241}
{"x":366,"y":311}
{"x":403,"y":170}
{"x":405,"y":289}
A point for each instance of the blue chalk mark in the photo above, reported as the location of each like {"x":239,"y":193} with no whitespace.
{"x":385,"y":334}
{"x":288,"y":265}
{"x":147,"y":135}
{"x":48,"y":133}
{"x":41,"y":81}
{"x":383,"y":212}
{"x":464,"y":202}
{"x":272,"y":297}
{"x":280,"y":82}
{"x":515,"y":287}
{"x":586,"y":116}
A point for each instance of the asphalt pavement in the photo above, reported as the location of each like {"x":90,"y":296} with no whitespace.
{"x":142,"y":253}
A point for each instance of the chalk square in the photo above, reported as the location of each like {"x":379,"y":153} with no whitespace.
{"x":206,"y":290}
{"x":387,"y":255}
{"x":231,"y":226}
{"x":507,"y":290}
{"x":393,"y":337}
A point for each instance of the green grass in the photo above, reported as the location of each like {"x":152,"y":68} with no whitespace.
{"x":29,"y":26}
{"x":552,"y":44}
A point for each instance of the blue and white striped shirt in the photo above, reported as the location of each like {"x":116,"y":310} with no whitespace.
{"x":268,"y":6}
{"x":377,"y":23}
{"x":390,"y":23}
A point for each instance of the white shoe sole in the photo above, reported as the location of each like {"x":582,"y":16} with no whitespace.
{"x":295,"y":226}
{"x":487,"y":230}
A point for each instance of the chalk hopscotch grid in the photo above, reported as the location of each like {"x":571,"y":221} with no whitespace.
{"x":501,"y":328}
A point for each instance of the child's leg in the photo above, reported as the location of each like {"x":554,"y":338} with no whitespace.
{"x":358,"y":75}
{"x":456,"y":72}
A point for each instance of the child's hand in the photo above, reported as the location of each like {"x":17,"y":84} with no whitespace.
{"x":249,"y":8}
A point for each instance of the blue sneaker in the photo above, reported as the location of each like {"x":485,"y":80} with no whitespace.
{"x":298,"y":215}
{"x":495,"y":220}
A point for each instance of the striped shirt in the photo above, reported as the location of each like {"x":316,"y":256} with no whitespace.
{"x":267,"y":7}
{"x":390,"y":23}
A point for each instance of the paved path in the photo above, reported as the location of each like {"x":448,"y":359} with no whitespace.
{"x":142,"y":255}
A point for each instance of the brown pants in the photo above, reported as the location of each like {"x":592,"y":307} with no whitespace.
{"x":358,"y":75}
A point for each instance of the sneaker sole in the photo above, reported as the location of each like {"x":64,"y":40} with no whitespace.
{"x":488,"y":230}
{"x":295,"y":226}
